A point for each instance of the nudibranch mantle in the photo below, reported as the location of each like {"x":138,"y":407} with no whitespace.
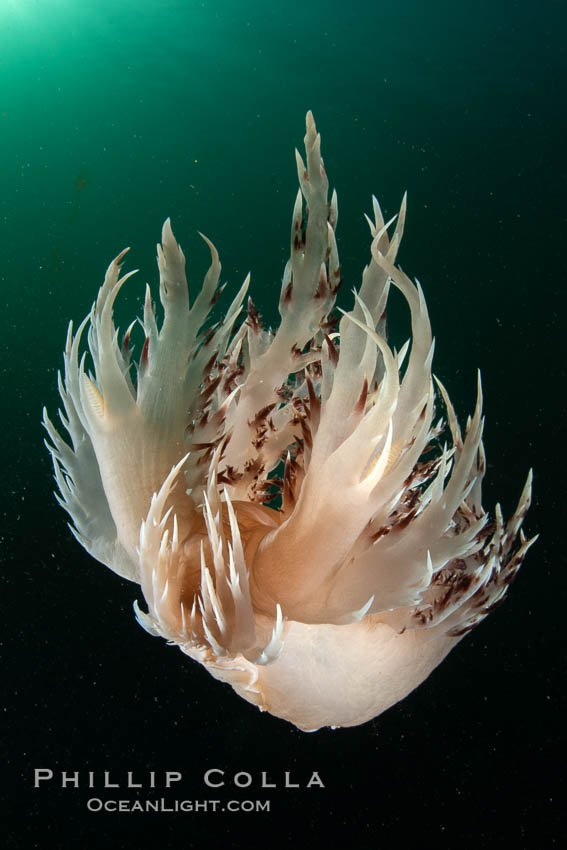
{"x":284,"y":498}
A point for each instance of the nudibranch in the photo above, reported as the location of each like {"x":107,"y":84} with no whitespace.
{"x":298,"y":519}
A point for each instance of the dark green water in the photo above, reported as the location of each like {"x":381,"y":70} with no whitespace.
{"x":115,"y":115}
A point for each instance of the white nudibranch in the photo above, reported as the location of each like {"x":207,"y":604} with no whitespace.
{"x":284,"y":498}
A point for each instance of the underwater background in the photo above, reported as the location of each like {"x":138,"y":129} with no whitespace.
{"x":115,"y":115}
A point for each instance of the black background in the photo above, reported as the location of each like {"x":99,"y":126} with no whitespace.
{"x":475,"y":756}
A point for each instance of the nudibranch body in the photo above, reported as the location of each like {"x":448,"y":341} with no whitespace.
{"x":285,"y":499}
